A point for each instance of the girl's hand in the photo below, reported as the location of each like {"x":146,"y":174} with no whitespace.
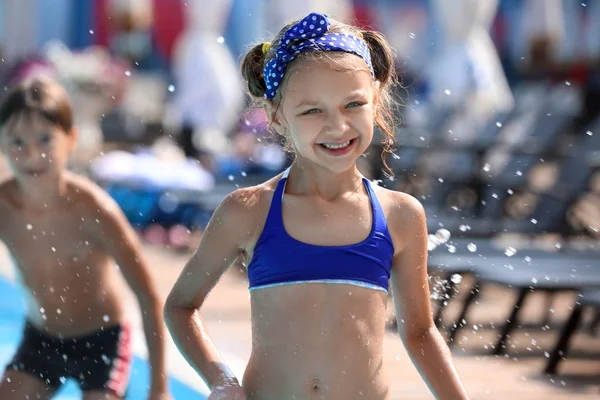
{"x":227,"y":393}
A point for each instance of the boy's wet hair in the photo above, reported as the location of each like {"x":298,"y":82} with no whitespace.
{"x":40,"y":97}
{"x":382,"y":58}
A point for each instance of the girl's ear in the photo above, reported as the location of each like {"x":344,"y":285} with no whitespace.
{"x":376,"y":93}
{"x":274,"y":116}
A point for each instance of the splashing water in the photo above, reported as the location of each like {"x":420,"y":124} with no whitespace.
{"x":472,"y":247}
{"x":456,"y":278}
{"x":443,"y":235}
{"x":510,"y":251}
{"x":432,"y":242}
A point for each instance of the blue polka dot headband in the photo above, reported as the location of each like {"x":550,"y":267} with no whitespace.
{"x":310,"y":34}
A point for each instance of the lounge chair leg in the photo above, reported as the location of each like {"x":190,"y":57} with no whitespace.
{"x":563,"y":341}
{"x":473,"y":294}
{"x":511,"y":322}
{"x":444,"y":299}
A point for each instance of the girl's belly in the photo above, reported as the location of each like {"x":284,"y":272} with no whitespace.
{"x":317,"y":341}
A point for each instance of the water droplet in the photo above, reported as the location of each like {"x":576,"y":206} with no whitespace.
{"x":29,"y":227}
{"x":499,"y":124}
{"x":451,"y":249}
{"x":527,"y":259}
{"x":456,"y":278}
{"x":171,"y":88}
{"x":230,"y":177}
{"x":412,"y":35}
{"x":220,"y":40}
{"x":42,"y":310}
{"x":62,"y":379}
{"x":463,"y":228}
{"x":472,"y":247}
{"x":510,"y":191}
{"x":244,"y":173}
{"x":494,"y":195}
{"x":43,"y":155}
{"x":395,"y":156}
{"x":53,"y":249}
{"x":128,"y":73}
{"x":486,"y":167}
{"x":8,"y":380}
{"x":353,"y":316}
{"x":91,"y":31}
{"x":534,"y":280}
{"x":447,"y":92}
{"x":58,"y":311}
{"x":106,"y":318}
{"x":510,"y":251}
{"x":443,"y":235}
{"x":519,"y":173}
{"x":533,"y":221}
{"x":567,"y":83}
{"x":432,"y":242}
{"x":589,"y":133}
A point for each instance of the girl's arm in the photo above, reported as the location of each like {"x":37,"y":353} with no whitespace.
{"x":228,"y":232}
{"x":410,"y":288}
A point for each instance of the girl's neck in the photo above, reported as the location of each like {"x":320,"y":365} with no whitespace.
{"x":314,"y":180}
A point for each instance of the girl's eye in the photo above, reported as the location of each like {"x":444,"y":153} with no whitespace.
{"x":355,"y":104}
{"x":18,"y":143}
{"x":311,"y":111}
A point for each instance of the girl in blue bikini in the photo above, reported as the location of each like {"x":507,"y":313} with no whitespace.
{"x":322,"y":244}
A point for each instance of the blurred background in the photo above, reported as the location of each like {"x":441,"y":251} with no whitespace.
{"x":498,"y":125}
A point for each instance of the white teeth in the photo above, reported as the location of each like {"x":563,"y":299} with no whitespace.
{"x":336,"y":145}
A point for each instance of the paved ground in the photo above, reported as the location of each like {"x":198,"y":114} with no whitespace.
{"x":486,"y":377}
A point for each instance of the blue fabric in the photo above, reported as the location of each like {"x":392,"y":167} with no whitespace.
{"x":280,"y":259}
{"x":310,"y":34}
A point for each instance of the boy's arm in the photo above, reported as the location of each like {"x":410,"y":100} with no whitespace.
{"x":410,"y":289}
{"x":122,"y":243}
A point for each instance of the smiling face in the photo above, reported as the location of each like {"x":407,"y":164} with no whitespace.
{"x":36,"y":150}
{"x":327,"y":113}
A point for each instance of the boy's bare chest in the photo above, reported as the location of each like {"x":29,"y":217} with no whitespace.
{"x":48,"y":239}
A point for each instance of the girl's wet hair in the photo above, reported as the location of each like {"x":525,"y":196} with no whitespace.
{"x":382,"y":58}
{"x":41,"y":97}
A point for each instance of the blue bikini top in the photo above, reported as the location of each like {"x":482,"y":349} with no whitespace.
{"x":279,"y":259}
